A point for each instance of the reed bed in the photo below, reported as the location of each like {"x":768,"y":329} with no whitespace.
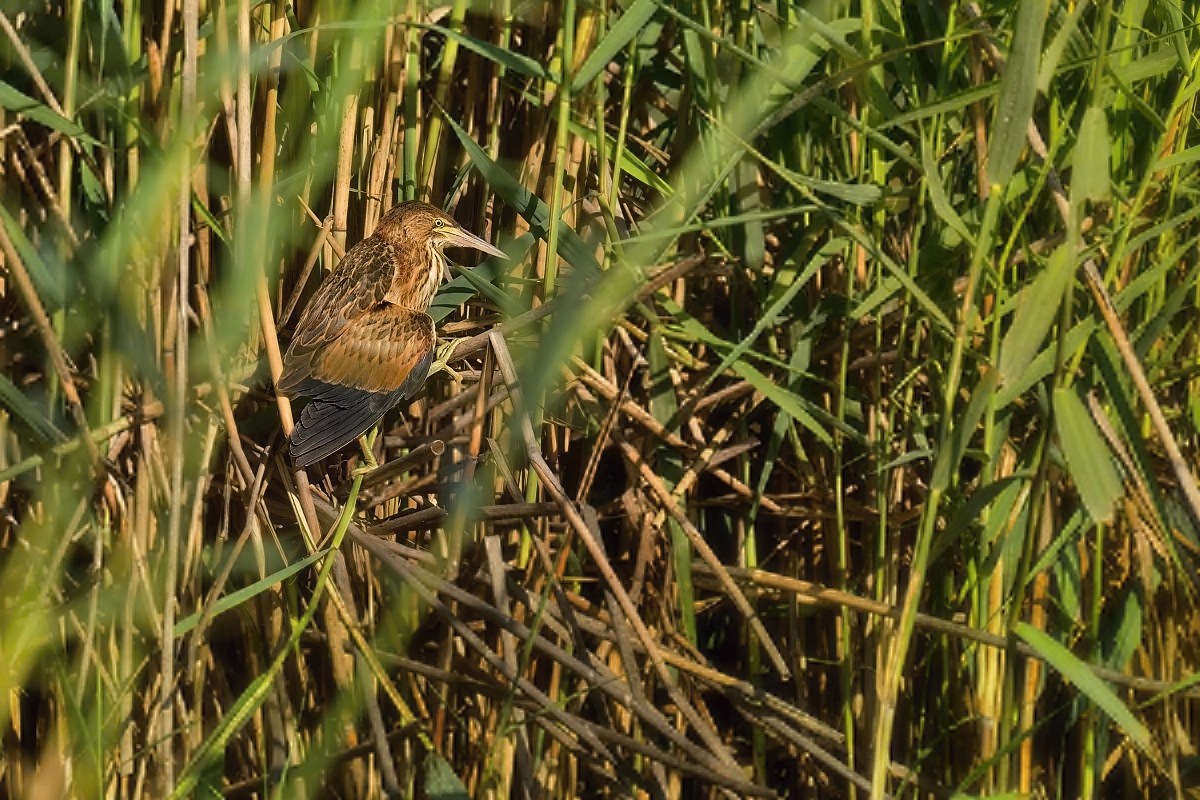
{"x":829,"y":431}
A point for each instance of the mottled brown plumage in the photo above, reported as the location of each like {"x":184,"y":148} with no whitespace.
{"x":364,"y":342}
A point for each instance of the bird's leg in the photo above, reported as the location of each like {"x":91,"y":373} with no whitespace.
{"x":442,"y":363}
{"x":366,"y":443}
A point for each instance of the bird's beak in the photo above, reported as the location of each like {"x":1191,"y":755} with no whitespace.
{"x":456,"y":237}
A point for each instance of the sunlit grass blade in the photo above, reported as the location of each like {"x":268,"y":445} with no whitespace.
{"x":527,"y":204}
{"x":1037,"y":308}
{"x":631,"y":22}
{"x":1018,"y":90}
{"x":1090,"y":160}
{"x":1088,"y":457}
{"x":236,"y":598}
{"x":1077,"y":672}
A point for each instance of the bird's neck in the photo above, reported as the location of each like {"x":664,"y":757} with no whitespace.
{"x":418,"y":277}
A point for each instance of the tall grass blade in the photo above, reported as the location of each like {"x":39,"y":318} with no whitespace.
{"x":1078,"y":673}
{"x":1090,"y":174}
{"x":18,"y":102}
{"x":631,"y":23}
{"x":1037,"y":308}
{"x":1018,"y":90}
{"x":527,"y":204}
{"x":1088,"y":456}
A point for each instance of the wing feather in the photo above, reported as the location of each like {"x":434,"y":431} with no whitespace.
{"x":376,"y":352}
{"x":326,"y":427}
{"x":375,"y":362}
{"x":358,"y":284}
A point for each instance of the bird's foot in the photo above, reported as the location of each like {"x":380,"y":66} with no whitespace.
{"x":367,"y":443}
{"x":442,"y":363}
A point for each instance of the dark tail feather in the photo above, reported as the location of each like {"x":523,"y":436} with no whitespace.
{"x":341,"y":416}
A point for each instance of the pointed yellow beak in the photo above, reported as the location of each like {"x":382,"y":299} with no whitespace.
{"x":457,"y":237}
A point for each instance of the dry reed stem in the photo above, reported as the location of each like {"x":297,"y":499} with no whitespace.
{"x":643,"y":417}
{"x":758,"y":580}
{"x":33,"y":303}
{"x":550,"y":482}
{"x":594,"y":674}
{"x":670,"y":504}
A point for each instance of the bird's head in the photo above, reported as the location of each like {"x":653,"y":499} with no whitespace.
{"x":419,"y":223}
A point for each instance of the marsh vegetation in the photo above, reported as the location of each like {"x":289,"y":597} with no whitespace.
{"x":829,"y":430}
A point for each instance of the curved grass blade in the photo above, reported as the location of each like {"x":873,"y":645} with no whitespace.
{"x":12,"y":398}
{"x":1037,"y":309}
{"x":1078,"y":673}
{"x":48,"y":285}
{"x":628,"y":26}
{"x":518,"y":63}
{"x":1088,"y":458}
{"x":1018,"y":90}
{"x":465,"y":286}
{"x":17,"y":101}
{"x":527,"y":204}
{"x":234,"y":599}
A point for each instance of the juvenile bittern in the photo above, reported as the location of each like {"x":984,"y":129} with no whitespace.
{"x":364,"y":342}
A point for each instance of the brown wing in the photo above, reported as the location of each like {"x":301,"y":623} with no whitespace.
{"x":358,"y":285}
{"x":375,"y":361}
{"x":377,"y":351}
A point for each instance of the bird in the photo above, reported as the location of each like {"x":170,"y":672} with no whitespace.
{"x":365,"y":340}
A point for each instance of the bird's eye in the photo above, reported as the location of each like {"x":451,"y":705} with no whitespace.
{"x":438,"y":223}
